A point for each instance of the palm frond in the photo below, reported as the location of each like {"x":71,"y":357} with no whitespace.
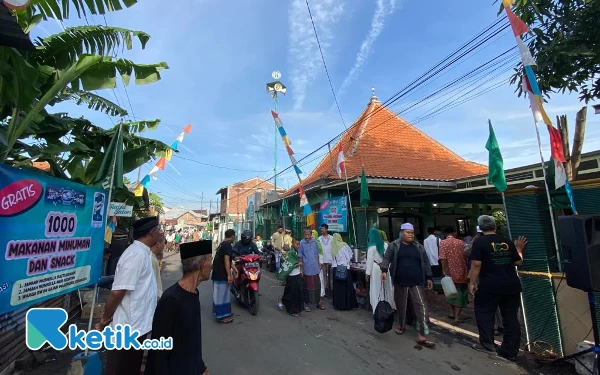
{"x":61,"y":9}
{"x":93,"y":101}
{"x":63,"y":49}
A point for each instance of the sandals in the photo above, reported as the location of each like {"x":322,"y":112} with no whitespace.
{"x":279,"y":304}
{"x":399,"y":331}
{"x":320,"y":306}
{"x":426,"y":343}
{"x":306,"y":308}
{"x":225,"y":320}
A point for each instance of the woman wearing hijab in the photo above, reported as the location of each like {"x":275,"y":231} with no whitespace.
{"x":344,"y":296}
{"x":315,"y":236}
{"x":378,"y":290}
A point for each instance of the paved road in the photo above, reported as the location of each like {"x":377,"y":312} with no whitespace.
{"x":323,"y":342}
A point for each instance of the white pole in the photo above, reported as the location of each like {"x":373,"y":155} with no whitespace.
{"x":110,"y":189}
{"x":350,"y":204}
{"x":521,"y":294}
{"x":537,"y":131}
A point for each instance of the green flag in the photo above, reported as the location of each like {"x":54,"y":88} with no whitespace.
{"x":364,"y":190}
{"x":495,"y":164}
{"x":284,"y":207}
{"x":113,"y":156}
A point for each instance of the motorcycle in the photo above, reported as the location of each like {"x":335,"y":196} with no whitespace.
{"x":245,"y":286}
{"x":269,"y":257}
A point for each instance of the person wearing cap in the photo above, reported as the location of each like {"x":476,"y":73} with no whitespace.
{"x":407,"y":263}
{"x":133,"y":297}
{"x":277,"y":241}
{"x":178,"y":316}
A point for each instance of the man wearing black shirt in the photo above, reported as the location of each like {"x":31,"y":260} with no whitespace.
{"x":221,"y":277}
{"x":410,"y":270}
{"x":495,"y":284}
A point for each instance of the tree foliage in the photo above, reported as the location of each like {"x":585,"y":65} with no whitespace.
{"x":565,"y":44}
{"x":156,"y":202}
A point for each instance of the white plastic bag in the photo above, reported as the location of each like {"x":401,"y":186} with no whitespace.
{"x":449,"y":287}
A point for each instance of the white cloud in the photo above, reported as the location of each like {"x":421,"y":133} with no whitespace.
{"x":382,"y":11}
{"x":304,"y":52}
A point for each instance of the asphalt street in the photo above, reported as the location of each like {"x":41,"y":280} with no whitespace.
{"x":323,"y":342}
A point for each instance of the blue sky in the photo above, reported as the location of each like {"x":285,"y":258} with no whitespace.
{"x":221,"y":54}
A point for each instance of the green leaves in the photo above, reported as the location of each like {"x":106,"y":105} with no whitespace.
{"x":61,"y":9}
{"x":63,"y":49}
{"x":100,"y":72}
{"x":93,"y":101}
{"x":141,"y":126}
{"x":566,"y":45}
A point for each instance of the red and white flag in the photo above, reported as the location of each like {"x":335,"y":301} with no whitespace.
{"x":341,"y":161}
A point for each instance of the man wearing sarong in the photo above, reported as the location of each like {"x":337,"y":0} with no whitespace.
{"x":133,"y":297}
{"x":178,"y":316}
{"x":308,"y":252}
{"x":409,"y":268}
{"x":454,"y":265}
{"x":222,"y":278}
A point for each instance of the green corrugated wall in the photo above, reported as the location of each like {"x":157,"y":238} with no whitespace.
{"x":529,"y":216}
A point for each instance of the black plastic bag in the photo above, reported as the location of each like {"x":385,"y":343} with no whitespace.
{"x":383,"y":317}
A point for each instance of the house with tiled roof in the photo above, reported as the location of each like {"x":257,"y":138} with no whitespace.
{"x":409,"y":174}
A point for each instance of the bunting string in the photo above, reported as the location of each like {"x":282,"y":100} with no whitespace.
{"x":306,"y":210}
{"x":533,"y":92}
{"x":161,"y":163}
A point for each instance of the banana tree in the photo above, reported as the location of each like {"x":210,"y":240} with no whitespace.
{"x":65,"y":65}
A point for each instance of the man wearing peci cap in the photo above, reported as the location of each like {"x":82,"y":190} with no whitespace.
{"x":178,"y":316}
{"x":409,"y":268}
{"x":133,"y":297}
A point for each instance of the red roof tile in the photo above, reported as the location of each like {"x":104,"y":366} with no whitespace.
{"x":390,"y":147}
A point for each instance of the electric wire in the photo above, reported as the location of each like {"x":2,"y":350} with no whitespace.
{"x":325,"y":65}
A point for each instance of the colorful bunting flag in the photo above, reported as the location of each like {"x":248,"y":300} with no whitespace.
{"x":293,"y":159}
{"x":570,"y":195}
{"x":180,"y":137}
{"x":139,"y":190}
{"x":535,"y":89}
{"x":161,"y":163}
{"x":145,"y":182}
{"x":297,"y":169}
{"x":341,"y":161}
{"x":282,"y":131}
{"x":187,"y":129}
{"x":518,"y":26}
{"x":169,"y":154}
{"x":289,"y":150}
{"x":528,"y":60}
{"x":175,"y":144}
{"x":556,"y":147}
{"x":560,"y":175}
{"x":153,"y":170}
{"x":286,"y":141}
{"x":507,"y":3}
{"x":307,"y":211}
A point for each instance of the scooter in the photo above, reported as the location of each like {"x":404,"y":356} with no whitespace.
{"x":269,"y":257}
{"x":245,"y":286}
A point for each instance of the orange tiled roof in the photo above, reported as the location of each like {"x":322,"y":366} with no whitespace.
{"x":42,"y":165}
{"x":390,"y":147}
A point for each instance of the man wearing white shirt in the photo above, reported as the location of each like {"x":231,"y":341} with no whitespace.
{"x":133,"y":298}
{"x":432,"y":247}
{"x":326,"y":240}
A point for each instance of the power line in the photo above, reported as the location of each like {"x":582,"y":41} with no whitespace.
{"x":218,"y":166}
{"x":325,"y":65}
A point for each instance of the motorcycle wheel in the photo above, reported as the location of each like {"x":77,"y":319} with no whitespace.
{"x":252,"y":302}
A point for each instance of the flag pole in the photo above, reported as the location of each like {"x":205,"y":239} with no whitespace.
{"x":110,"y":189}
{"x":537,"y":132}
{"x":351,"y":211}
{"x":521,"y":294}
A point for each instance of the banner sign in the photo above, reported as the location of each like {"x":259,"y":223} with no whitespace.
{"x":334,"y":213}
{"x":52,"y":237}
{"x":120,"y":209}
